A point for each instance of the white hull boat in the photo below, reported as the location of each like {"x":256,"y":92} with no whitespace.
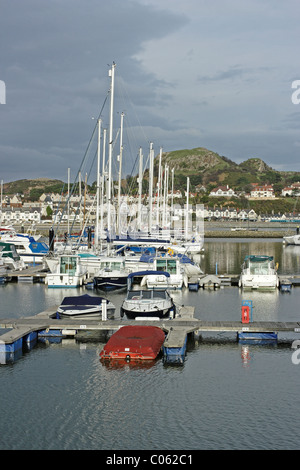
{"x":259,"y":272}
{"x":85,"y":306}
{"x":147,"y":304}
{"x":65,"y":271}
{"x":292,"y":240}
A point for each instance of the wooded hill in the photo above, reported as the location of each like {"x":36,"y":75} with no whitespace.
{"x":207,"y":168}
{"x":204,"y":168}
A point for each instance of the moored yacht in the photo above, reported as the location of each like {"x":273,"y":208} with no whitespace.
{"x":112,"y":273}
{"x":85,"y":306}
{"x":65,"y":271}
{"x":259,"y":272}
{"x":292,"y":240}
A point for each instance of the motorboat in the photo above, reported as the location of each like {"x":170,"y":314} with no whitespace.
{"x":144,"y":303}
{"x":285,"y":285}
{"x":259,"y":272}
{"x":83,"y":306}
{"x":179,"y":266}
{"x":65,"y":271}
{"x":9,"y":257}
{"x":134,"y":342}
{"x":28,"y":247}
{"x":112,"y":273}
{"x":292,"y":240}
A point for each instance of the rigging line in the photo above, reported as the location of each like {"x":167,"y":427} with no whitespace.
{"x":121,"y":85}
{"x":82,"y":162}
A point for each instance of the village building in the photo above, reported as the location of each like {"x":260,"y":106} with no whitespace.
{"x":222,"y":191}
{"x":265,"y":191}
{"x":292,"y":190}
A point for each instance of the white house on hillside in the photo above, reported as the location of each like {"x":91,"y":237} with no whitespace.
{"x":266,"y":191}
{"x":222,"y":191}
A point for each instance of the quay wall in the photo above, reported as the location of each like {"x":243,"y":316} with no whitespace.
{"x":212,"y":229}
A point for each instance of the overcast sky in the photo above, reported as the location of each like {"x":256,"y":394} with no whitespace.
{"x":189,"y":73}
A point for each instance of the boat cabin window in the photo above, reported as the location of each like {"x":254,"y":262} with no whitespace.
{"x":116,"y":265}
{"x":20,"y":247}
{"x":168,"y":265}
{"x":68,"y":264}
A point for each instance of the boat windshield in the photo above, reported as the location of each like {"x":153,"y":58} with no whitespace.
{"x":111,"y":265}
{"x":259,"y":267}
{"x":146,"y":294}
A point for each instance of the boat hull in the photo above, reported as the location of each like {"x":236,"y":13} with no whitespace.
{"x":292,"y":240}
{"x":134,"y":343}
{"x":259,"y":282}
{"x":163,"y":313}
{"x":64,"y":280}
{"x":84,"y":306}
{"x":84,"y":313}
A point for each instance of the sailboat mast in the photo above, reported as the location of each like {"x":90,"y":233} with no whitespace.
{"x":140,"y":190}
{"x":158,"y":187}
{"x":96,"y":241}
{"x":187,"y":207}
{"x":120,"y":171}
{"x":103,"y":181}
{"x":151,"y":186}
{"x":110,"y":144}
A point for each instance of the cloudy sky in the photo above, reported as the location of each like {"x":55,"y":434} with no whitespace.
{"x":193,"y":73}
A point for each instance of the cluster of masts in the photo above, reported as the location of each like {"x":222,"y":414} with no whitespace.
{"x":104,"y":191}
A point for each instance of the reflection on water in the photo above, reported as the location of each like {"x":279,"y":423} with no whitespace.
{"x":226,"y":395}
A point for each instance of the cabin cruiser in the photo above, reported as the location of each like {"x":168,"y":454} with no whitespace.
{"x":259,"y":272}
{"x":111,"y":274}
{"x":9,"y":257}
{"x":29,"y":248}
{"x":292,"y":240}
{"x":65,"y":271}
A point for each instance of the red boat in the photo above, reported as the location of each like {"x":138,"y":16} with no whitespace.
{"x":134,"y":342}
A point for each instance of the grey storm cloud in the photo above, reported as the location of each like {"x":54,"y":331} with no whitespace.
{"x":188,"y":74}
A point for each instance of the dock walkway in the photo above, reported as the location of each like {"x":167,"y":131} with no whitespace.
{"x":29,"y":329}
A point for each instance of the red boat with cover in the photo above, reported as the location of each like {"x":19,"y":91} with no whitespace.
{"x":134,"y":342}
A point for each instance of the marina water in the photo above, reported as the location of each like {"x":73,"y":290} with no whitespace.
{"x":226,"y":395}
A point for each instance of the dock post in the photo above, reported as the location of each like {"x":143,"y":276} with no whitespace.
{"x":104,"y":310}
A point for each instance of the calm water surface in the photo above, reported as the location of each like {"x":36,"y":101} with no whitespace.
{"x":225,"y":396}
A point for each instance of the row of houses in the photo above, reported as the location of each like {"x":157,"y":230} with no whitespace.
{"x":14,"y":211}
{"x":265,"y":191}
{"x":16,"y":216}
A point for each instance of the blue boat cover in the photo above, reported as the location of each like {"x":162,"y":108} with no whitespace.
{"x":85,"y":299}
{"x":146,"y":273}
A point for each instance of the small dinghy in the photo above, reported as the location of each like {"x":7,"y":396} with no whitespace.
{"x":139,"y":342}
{"x":84,"y":306}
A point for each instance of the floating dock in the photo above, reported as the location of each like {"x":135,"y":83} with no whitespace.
{"x":26,"y":331}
